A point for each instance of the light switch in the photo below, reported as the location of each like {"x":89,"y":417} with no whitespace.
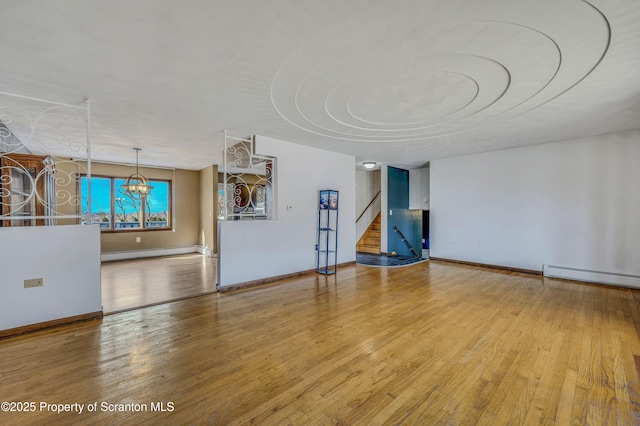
{"x":34,"y":282}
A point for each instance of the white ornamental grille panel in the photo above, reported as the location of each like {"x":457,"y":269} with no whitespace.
{"x":44,"y":151}
{"x":249,"y":192}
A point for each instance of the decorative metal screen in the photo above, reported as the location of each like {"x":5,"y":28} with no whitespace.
{"x":44,"y":149}
{"x":248,"y":181}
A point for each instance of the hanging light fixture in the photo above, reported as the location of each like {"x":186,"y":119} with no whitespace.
{"x":136,"y":186}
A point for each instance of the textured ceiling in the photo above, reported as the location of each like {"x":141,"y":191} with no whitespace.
{"x":397,"y":82}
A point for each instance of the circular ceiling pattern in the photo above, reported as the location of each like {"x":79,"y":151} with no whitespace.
{"x":436,"y":76}
{"x":430,"y":95}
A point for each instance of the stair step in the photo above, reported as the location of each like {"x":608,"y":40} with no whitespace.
{"x":374,"y":243}
{"x":368,"y":249}
{"x":369,"y":241}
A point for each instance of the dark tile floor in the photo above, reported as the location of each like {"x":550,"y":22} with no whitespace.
{"x":382,"y":260}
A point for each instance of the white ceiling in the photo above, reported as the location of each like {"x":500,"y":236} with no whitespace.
{"x":397,"y":82}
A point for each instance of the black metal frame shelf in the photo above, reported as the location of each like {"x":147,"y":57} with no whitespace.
{"x":327,"y":238}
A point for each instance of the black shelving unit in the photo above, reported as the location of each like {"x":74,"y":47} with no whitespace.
{"x":327,"y":239}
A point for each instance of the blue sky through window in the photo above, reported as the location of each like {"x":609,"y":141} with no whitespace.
{"x":158,"y":200}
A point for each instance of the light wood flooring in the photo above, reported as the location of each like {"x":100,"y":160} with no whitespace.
{"x":128,"y":284}
{"x":431,"y":343}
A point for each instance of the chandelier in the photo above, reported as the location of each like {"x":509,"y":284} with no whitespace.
{"x":136,"y":186}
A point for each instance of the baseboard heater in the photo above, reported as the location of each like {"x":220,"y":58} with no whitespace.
{"x":206,"y":251}
{"x":139,"y":254}
{"x":599,"y":277}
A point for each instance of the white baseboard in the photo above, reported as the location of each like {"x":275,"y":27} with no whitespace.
{"x":138,"y":254}
{"x":611,"y":278}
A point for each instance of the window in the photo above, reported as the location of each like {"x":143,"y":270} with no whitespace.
{"x":114,"y":210}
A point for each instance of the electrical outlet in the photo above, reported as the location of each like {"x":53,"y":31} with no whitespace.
{"x":34,"y":282}
{"x":138,"y":239}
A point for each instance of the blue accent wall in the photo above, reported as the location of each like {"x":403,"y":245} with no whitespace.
{"x":398,"y":181}
{"x":408,"y":221}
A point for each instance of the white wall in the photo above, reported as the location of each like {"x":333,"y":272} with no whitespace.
{"x":367,"y":186}
{"x":253,"y":250}
{"x":572,"y":204}
{"x":419,"y":189}
{"x":66,"y":257}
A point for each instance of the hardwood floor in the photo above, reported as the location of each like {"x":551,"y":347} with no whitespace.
{"x":431,"y":343}
{"x":128,"y":284}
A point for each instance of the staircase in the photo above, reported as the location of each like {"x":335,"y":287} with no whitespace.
{"x":370,"y":241}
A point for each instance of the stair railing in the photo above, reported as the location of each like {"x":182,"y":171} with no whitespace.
{"x":369,"y":214}
{"x":406,"y":241}
{"x":368,"y":205}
